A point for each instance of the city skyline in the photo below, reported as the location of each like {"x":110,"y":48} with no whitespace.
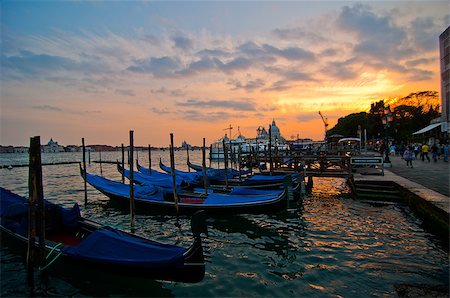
{"x":99,"y":69}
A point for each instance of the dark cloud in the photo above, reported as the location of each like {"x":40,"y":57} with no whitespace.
{"x":93,"y":112}
{"x":213,"y":53}
{"x":419,"y":75}
{"x":196,"y":115}
{"x":268,"y":52}
{"x":250,"y":85}
{"x":162,"y":67}
{"x":183,"y":43}
{"x":289,"y":78}
{"x":152,"y":39}
{"x":29,"y":64}
{"x":239,"y":63}
{"x":47,"y":108}
{"x":280,"y":86}
{"x":378,"y":36}
{"x":420,"y":61}
{"x":241,"y":105}
{"x":425,"y":33}
{"x":291,"y":74}
{"x":341,"y":70}
{"x":125,"y":92}
{"x":329,"y":52}
{"x":160,"y":111}
{"x":172,"y":92}
{"x":204,"y":64}
{"x":291,"y":53}
{"x":298,"y":34}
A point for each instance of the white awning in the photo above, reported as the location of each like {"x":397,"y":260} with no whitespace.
{"x":349,"y":140}
{"x":428,"y":128}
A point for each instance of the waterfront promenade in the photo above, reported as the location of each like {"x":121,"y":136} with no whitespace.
{"x":427,"y":180}
{"x":432,"y":175}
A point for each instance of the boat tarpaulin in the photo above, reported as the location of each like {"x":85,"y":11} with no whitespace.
{"x":428,"y":128}
{"x":117,"y":247}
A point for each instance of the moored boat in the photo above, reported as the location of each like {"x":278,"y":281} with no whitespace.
{"x":73,"y":240}
{"x":155,"y":199}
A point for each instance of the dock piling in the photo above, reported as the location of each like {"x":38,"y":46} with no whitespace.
{"x":123,"y":164}
{"x":130,"y":160}
{"x":84,"y":172}
{"x":149,"y":159}
{"x":36,"y":195}
{"x":172,"y":170}
{"x":205,"y":184}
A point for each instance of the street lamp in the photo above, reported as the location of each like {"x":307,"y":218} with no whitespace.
{"x":386,"y":119}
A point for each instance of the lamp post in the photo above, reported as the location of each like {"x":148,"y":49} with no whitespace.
{"x":386,"y":119}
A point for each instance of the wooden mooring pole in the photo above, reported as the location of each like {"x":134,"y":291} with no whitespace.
{"x":205,"y":184}
{"x":239,"y":162}
{"x":123,"y":164}
{"x":225,"y":162}
{"x":172,"y":170}
{"x":270,"y":151}
{"x":149,"y":159}
{"x":84,"y":172}
{"x":36,"y":194}
{"x":210,"y":154}
{"x":130,"y":160}
{"x":187,"y":157}
{"x":100,"y":158}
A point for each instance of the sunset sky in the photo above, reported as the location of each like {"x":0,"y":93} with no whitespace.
{"x":97,"y":69}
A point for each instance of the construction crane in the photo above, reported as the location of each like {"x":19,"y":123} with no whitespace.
{"x":229,"y":128}
{"x":325,"y":124}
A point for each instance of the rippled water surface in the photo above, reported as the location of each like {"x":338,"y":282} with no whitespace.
{"x":328,"y":245}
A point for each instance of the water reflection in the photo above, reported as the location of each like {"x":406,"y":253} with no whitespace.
{"x":327,"y":245}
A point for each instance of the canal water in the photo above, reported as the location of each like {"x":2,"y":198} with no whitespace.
{"x":327,"y":245}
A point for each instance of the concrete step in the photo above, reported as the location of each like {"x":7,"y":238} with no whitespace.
{"x":378,"y":197}
{"x":377,"y":191}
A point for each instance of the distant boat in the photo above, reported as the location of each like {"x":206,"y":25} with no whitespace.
{"x":248,"y":145}
{"x":72,"y":239}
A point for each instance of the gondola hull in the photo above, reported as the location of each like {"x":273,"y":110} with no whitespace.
{"x":89,"y":246}
{"x":163,"y":201}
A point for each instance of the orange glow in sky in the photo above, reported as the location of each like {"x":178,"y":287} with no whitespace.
{"x":193,"y":68}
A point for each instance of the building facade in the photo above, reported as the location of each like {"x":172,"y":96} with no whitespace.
{"x":52,"y":146}
{"x":444,"y":48}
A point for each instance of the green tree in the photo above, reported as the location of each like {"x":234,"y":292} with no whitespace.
{"x":411,"y":113}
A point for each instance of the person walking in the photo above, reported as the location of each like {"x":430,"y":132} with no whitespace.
{"x":446,"y":149}
{"x":434,"y":152}
{"x":425,"y":152}
{"x":408,"y":156}
{"x":416,"y":150}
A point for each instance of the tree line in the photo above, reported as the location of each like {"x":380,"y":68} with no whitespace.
{"x":410,"y":113}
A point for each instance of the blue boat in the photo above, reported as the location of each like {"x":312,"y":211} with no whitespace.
{"x":234,"y":173}
{"x":75,"y":241}
{"x":260,"y":180}
{"x":153,"y":198}
{"x":162,"y":180}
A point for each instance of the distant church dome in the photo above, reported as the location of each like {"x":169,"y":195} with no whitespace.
{"x":275,"y":129}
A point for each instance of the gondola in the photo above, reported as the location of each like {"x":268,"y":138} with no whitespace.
{"x":191,"y":189}
{"x":152,"y":198}
{"x":263,"y":181}
{"x":164,"y":180}
{"x":234,"y":173}
{"x":71,"y":240}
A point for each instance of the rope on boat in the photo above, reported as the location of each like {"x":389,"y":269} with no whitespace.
{"x":54,"y":258}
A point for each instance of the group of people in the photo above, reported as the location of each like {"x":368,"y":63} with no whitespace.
{"x":411,"y":152}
